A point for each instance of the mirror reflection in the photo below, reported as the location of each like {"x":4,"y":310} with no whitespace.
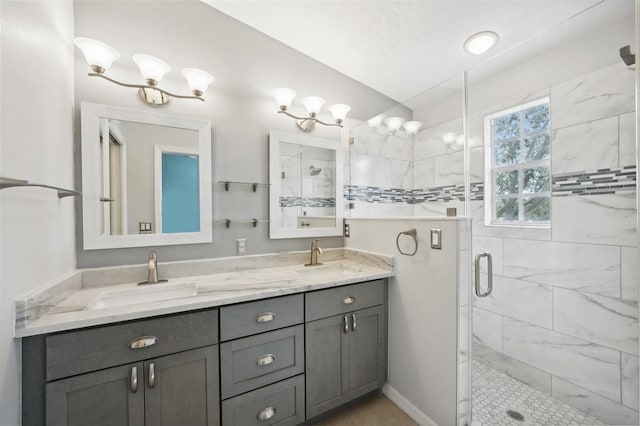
{"x":146,"y":178}
{"x":305,"y":193}
{"x":149,"y":177}
{"x":307,"y":186}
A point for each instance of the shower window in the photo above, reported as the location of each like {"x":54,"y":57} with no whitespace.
{"x":517,"y":165}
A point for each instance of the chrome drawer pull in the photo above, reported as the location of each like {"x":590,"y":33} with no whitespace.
{"x":152,"y":375}
{"x":134,"y":379}
{"x":266,"y":413}
{"x":265,"y":317}
{"x":266,"y":359}
{"x":353,"y":322}
{"x":346,"y":324}
{"x":143,"y":342}
{"x":348,"y":300}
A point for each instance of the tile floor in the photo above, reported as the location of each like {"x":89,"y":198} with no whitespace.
{"x":494,"y":393}
{"x":377,"y":410}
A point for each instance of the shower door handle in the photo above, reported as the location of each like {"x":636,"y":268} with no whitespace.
{"x":479,"y":292}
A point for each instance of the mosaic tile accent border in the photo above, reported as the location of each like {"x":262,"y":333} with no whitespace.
{"x":307,"y":202}
{"x":595,"y":182}
{"x":372,"y":194}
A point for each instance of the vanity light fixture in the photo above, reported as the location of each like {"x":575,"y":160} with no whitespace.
{"x":481,"y":42}
{"x":312,"y":104}
{"x":100,"y":57}
{"x":393,"y":124}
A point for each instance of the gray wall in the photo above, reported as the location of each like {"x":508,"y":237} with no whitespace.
{"x":246,"y":65}
{"x":36,"y":228}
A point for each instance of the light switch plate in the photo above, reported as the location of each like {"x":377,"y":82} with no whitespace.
{"x":436,"y":239}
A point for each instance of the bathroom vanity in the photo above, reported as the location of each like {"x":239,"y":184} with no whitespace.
{"x":319,"y":343}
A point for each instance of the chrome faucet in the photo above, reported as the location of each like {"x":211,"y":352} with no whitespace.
{"x":314,"y":253}
{"x":152,"y":269}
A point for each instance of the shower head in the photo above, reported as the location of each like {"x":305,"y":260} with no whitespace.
{"x":314,"y":171}
{"x":628,"y":57}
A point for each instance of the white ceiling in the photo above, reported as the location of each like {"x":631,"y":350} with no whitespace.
{"x":402,"y":48}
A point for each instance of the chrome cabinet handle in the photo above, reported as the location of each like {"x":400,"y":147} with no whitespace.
{"x":348,"y":300}
{"x":152,"y":375}
{"x":346,"y":324}
{"x":266,"y":359}
{"x":265,"y":317}
{"x":134,"y":379}
{"x":479,"y":292}
{"x":353,"y":322}
{"x":266,"y":413}
{"x":143,"y":342}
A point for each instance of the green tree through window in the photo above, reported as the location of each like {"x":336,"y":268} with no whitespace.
{"x":518,"y":146}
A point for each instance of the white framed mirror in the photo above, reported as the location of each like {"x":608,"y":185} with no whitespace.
{"x":146,"y":178}
{"x":306,"y":192}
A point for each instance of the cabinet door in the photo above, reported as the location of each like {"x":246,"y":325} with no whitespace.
{"x":110,"y":397}
{"x":326,"y":364}
{"x":183,"y":389}
{"x":367,"y":336}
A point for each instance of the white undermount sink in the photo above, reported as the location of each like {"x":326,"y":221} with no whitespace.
{"x":336,"y":268}
{"x":143,"y":294}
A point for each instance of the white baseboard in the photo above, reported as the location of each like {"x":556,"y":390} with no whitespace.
{"x":406,"y":406}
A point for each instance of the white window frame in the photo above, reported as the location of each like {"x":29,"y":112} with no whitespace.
{"x":490,"y":170}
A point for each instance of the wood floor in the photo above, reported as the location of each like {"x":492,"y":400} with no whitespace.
{"x":377,"y":410}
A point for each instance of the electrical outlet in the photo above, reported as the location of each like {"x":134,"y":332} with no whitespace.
{"x":241,"y":246}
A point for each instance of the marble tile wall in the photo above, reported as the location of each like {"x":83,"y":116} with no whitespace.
{"x":563,"y":315}
{"x":380,"y":178}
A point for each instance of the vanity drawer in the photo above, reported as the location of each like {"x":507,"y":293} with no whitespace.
{"x":252,"y":362}
{"x":256,"y":317}
{"x":338,"y":300}
{"x":279,"y":404}
{"x":77,"y":352}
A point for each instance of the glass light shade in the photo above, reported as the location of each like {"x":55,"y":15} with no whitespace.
{"x":197,"y":79}
{"x":376,"y":121}
{"x":412,"y":127}
{"x":313,"y":104}
{"x":449,"y":137}
{"x":394,"y":123}
{"x":151,"y":68}
{"x":96,"y":53}
{"x":481,"y":42}
{"x":339,"y":112}
{"x":460,"y":140}
{"x":283,"y":97}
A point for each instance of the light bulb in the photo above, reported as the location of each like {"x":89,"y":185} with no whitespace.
{"x":312,"y":104}
{"x":339,"y":112}
{"x":449,"y":137}
{"x":394,"y":123}
{"x":481,"y":42}
{"x":283,"y":97}
{"x":412,"y":127}
{"x":197,"y":79}
{"x":376,"y":121}
{"x":151,"y":68}
{"x":98,"y":55}
{"x":460,"y":140}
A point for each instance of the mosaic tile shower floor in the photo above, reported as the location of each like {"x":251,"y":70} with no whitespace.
{"x":494,"y":393}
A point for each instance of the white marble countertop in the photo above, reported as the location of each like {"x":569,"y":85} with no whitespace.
{"x":79,"y":301}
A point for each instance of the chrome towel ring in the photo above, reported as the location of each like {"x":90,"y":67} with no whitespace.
{"x":413,"y":234}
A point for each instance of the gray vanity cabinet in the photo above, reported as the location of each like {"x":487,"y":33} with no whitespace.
{"x":100,"y":398}
{"x":185,"y":389}
{"x":345,"y":353}
{"x":178,"y":389}
{"x":152,"y":372}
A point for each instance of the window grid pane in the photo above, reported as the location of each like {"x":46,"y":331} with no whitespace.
{"x":521,"y":166}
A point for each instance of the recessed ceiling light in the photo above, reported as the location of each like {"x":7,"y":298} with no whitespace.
{"x":481,"y":42}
